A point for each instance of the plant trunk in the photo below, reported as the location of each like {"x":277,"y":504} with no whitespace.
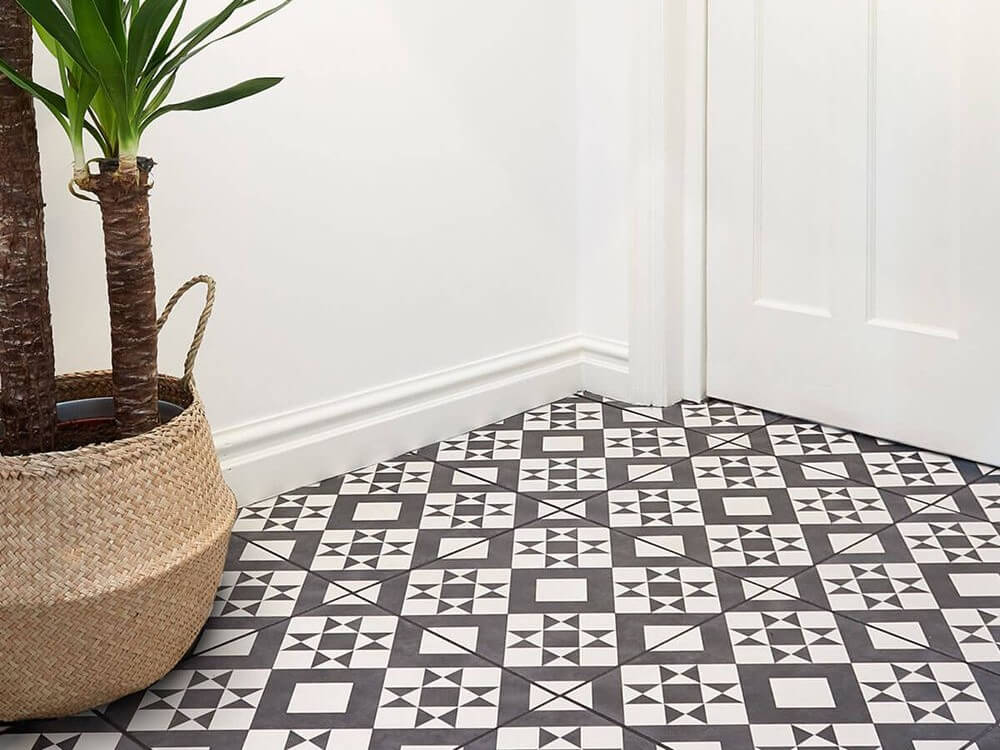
{"x":131,"y":295}
{"x":27,"y":367}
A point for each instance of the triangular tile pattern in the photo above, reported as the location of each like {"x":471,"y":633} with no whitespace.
{"x":597,"y":575}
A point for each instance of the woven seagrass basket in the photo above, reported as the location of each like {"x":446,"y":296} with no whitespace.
{"x":110,"y":554}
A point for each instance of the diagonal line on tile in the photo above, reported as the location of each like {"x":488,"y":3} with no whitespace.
{"x":113,"y":723}
{"x":973,"y":743}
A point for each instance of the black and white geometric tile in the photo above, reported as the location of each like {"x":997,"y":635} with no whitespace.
{"x":595,"y":575}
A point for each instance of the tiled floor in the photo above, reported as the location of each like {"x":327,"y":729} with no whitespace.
{"x":591,"y":575}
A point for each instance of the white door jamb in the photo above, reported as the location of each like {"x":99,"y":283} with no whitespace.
{"x":667,"y":275}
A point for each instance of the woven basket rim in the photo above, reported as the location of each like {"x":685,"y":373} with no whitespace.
{"x":104,"y":455}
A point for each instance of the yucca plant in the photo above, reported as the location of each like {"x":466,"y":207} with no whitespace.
{"x":118,"y":61}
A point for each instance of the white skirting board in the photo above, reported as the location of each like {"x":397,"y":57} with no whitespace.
{"x":288,"y":450}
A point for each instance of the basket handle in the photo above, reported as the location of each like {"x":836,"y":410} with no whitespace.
{"x":199,"y":331}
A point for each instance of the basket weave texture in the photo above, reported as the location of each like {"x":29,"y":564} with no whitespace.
{"x":110,"y":556}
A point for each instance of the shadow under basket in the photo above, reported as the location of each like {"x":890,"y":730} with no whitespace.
{"x":110,"y":556}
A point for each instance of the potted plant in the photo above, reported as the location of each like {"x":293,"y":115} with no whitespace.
{"x":112,"y":541}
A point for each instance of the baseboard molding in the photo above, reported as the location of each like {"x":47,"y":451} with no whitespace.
{"x":605,"y":367}
{"x":287,"y":450}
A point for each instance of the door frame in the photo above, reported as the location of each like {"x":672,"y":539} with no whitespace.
{"x":667,"y":282}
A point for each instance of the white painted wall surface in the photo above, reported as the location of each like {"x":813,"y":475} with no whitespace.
{"x":605,"y":205}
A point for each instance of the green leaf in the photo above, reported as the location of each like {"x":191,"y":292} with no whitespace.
{"x":202,"y":30}
{"x":66,"y":6}
{"x":163,"y":48}
{"x":199,"y":34}
{"x":159,"y":97}
{"x":101,"y":52}
{"x":106,"y":120}
{"x":48,"y":40}
{"x":189,"y":45}
{"x":85,"y":94}
{"x":253,"y":22}
{"x":111,"y":13}
{"x":217,"y":99}
{"x":49,"y":17}
{"x":145,"y":29}
{"x":52,"y":100}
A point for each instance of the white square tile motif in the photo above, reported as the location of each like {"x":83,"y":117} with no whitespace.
{"x":449,"y":640}
{"x":562,"y":444}
{"x":320,"y":697}
{"x":659,"y":545}
{"x":801,"y":692}
{"x":897,"y":635}
{"x":746,"y":506}
{"x":377,"y":511}
{"x":561,"y":590}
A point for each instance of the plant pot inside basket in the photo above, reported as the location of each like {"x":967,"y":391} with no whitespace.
{"x":89,"y":421}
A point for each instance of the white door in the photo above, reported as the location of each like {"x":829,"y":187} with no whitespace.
{"x":854,"y":215}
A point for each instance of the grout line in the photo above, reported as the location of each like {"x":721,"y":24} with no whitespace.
{"x":975,"y":740}
{"x":122,"y":729}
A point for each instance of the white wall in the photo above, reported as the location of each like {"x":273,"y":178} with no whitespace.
{"x":605,"y":33}
{"x":433,"y":203}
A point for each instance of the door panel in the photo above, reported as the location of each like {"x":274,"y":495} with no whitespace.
{"x":853,"y":241}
